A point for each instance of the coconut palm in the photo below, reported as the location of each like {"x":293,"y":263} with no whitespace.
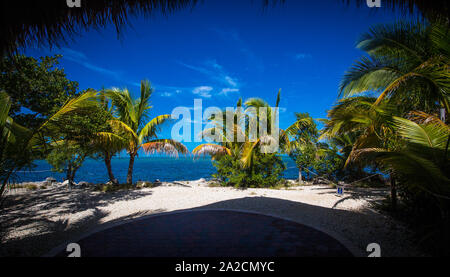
{"x":423,"y":158}
{"x":407,"y":63}
{"x":231,"y":147}
{"x":107,"y":149}
{"x":370,"y":126}
{"x":131,"y":130}
{"x":252,"y":144}
{"x":19,"y":145}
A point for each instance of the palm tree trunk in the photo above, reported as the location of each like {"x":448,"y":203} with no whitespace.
{"x":109,"y":167}
{"x":300,"y":177}
{"x":5,"y":183}
{"x":130,"y":169}
{"x":393,"y":192}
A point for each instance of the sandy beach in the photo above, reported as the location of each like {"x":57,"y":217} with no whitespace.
{"x":34,"y":222}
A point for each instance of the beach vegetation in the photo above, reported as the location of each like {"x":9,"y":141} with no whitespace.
{"x":243,"y":163}
{"x":131,"y":128}
{"x":394,"y":107}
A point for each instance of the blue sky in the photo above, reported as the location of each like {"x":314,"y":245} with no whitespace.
{"x":223,"y":50}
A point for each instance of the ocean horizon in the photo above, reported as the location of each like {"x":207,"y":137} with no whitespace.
{"x":165,"y":169}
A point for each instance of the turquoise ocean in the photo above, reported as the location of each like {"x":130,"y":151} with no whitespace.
{"x":166,"y":169}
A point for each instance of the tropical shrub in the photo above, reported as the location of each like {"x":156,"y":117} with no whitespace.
{"x":243,"y":163}
{"x":266,"y":172}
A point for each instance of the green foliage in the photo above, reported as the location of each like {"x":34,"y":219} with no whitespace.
{"x":245,"y":163}
{"x":329,"y":163}
{"x":407,"y":66}
{"x":130,"y":129}
{"x":266,"y":171}
{"x":407,"y":63}
{"x":67,"y":157}
{"x":74,"y":134}
{"x":310,"y":154}
{"x":38,"y":88}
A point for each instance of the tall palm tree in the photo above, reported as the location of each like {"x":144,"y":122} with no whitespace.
{"x":407,"y":63}
{"x":250,"y":147}
{"x":132,"y":131}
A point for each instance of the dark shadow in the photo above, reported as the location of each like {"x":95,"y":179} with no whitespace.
{"x":23,"y":212}
{"x":346,"y":225}
{"x":211,"y":233}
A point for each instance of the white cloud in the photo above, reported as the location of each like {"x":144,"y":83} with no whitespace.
{"x":166,"y":94}
{"x":203,"y":91}
{"x":302,"y":56}
{"x":231,"y":81}
{"x":225,"y":91}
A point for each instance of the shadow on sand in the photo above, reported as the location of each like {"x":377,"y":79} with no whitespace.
{"x":329,"y":224}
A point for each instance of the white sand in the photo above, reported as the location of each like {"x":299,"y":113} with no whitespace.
{"x":33,"y":223}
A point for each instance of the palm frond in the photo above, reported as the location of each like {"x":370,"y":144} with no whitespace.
{"x":122,"y":127}
{"x":52,"y":22}
{"x":86,"y":100}
{"x":111,"y":142}
{"x":213,"y":150}
{"x":429,"y":135}
{"x":166,"y":146}
{"x":151,"y":128}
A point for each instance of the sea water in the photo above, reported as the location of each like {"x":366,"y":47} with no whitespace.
{"x":165,"y":169}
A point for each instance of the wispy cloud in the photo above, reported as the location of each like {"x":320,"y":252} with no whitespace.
{"x":302,"y":56}
{"x":241,"y":46}
{"x":215,"y":72}
{"x":169,"y":91}
{"x":81,"y":59}
{"x":203,"y":91}
{"x":225,"y":91}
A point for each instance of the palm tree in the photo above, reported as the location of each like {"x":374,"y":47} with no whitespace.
{"x":407,"y":63}
{"x":107,"y":149}
{"x":250,"y":147}
{"x":19,"y":145}
{"x":423,"y":157}
{"x":11,"y":139}
{"x":303,"y":135}
{"x":369,"y":125}
{"x":132,"y":132}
